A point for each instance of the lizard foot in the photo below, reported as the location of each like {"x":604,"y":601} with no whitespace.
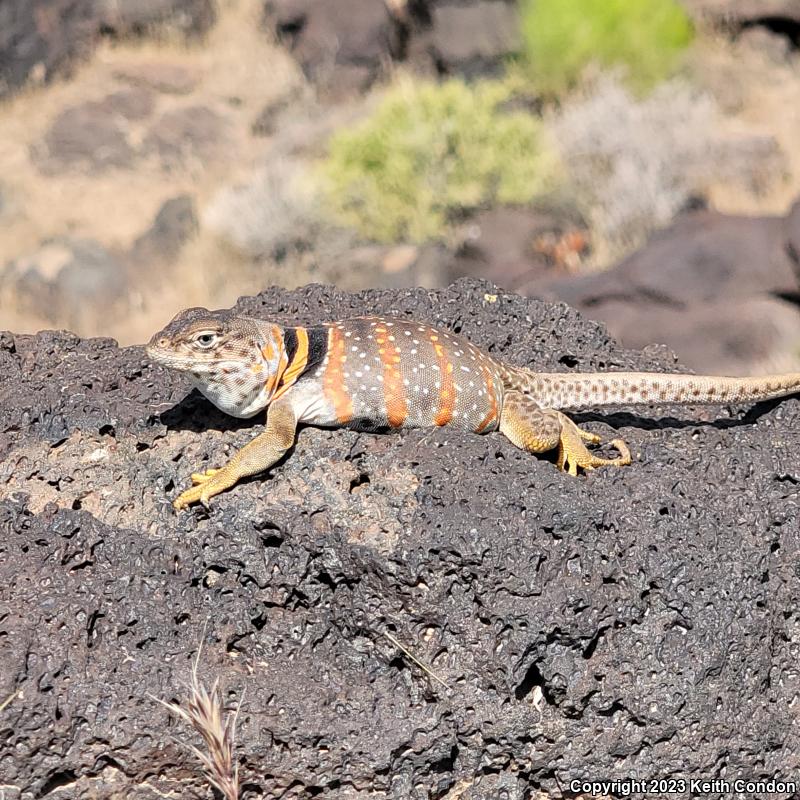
{"x":572,"y":452}
{"x":193,"y":495}
{"x":538,"y":430}
{"x":206,"y":485}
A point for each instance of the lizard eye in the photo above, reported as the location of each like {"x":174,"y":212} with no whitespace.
{"x":205,"y":339}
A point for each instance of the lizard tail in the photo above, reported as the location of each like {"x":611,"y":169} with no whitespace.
{"x":566,"y":392}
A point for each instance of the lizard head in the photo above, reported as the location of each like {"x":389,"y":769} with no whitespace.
{"x":234,"y":361}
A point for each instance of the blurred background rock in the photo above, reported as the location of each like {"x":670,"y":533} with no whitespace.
{"x":639,"y":159}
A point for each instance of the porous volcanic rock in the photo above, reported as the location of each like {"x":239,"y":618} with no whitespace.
{"x":638,"y":622}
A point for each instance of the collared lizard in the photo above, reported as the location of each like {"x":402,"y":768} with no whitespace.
{"x":384,"y":373}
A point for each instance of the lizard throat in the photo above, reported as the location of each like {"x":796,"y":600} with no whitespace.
{"x":243,"y":390}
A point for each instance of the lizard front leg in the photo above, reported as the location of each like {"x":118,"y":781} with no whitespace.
{"x":256,"y":456}
{"x":538,"y":430}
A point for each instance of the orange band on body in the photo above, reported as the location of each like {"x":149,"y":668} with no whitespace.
{"x":333,"y":381}
{"x":394,"y":391}
{"x":447,"y":390}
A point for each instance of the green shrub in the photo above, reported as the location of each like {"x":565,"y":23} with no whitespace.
{"x":429,"y":152}
{"x":562,"y":37}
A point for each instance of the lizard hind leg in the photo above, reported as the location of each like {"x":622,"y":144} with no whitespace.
{"x":538,"y":430}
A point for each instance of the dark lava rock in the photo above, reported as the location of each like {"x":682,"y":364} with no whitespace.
{"x":517,"y":248}
{"x":95,"y":134}
{"x":186,"y":133}
{"x":190,"y":18}
{"x":175,"y":223}
{"x":632,"y":623}
{"x":87,"y":134}
{"x":44,"y":38}
{"x":67,"y":280}
{"x":42,"y":35}
{"x":267,"y":119}
{"x":342,"y":46}
{"x":746,"y":12}
{"x":472,"y":39}
{"x":714,"y":288}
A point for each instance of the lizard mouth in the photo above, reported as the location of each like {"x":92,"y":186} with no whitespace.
{"x":167,"y":358}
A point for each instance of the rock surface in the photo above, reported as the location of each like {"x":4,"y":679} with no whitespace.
{"x":342,"y":46}
{"x":745,"y":12}
{"x":639,"y":623}
{"x":67,"y":278}
{"x":173,"y":226}
{"x":346,"y":46}
{"x":720,"y":290}
{"x":40,"y":39}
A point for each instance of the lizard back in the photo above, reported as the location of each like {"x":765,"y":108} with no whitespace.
{"x":384,"y":373}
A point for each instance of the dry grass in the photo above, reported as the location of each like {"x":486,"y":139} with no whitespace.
{"x":274,"y":210}
{"x":204,"y":713}
{"x":759,"y":97}
{"x":10,"y":699}
{"x":633,"y":164}
{"x":424,"y":667}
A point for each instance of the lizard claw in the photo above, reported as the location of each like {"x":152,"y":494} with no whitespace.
{"x":205,"y":486}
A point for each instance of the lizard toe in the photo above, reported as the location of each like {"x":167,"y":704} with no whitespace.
{"x":201,"y":477}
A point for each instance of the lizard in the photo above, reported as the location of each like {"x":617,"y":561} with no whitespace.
{"x":388,"y":373}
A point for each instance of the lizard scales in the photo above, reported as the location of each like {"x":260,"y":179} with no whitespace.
{"x":384,"y":373}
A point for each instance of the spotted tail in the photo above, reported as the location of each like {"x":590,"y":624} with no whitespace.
{"x":589,"y":390}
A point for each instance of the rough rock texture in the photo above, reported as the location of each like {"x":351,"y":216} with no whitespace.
{"x":720,"y":290}
{"x":40,"y":39}
{"x":640,"y":622}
